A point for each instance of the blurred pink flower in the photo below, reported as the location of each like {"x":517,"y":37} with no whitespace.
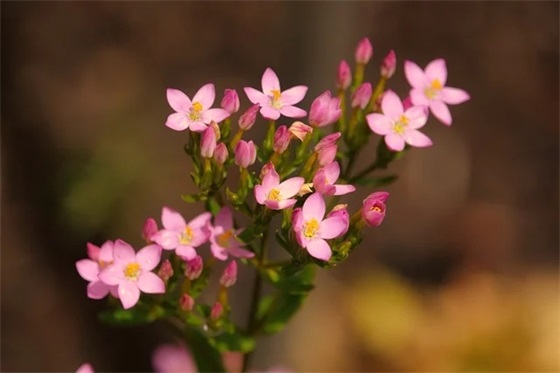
{"x":193,"y":268}
{"x":89,"y":270}
{"x":344,"y":75}
{"x":173,"y":359}
{"x":325,"y":110}
{"x":389,"y":65}
{"x":325,"y":178}
{"x":364,"y":51}
{"x":223,"y":237}
{"x":85,"y":368}
{"x":229,"y":276}
{"x":276,"y":195}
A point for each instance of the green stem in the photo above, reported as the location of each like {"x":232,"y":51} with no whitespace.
{"x":371,"y":167}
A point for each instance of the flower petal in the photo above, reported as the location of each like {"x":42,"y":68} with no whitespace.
{"x":418,"y":97}
{"x":293,"y":95}
{"x":177,"y":121}
{"x":197,"y":126}
{"x":179,"y":101}
{"x":332,"y":228}
{"x":112,"y":275}
{"x":379,"y":123}
{"x":205,"y":96}
{"x":106,"y":252}
{"x":186,"y":252}
{"x":270,"y":82}
{"x":290,"y":187}
{"x":149,"y":257}
{"x":332,"y":172}
{"x":286,"y":203}
{"x":200,"y":221}
{"x":239,"y":252}
{"x":269,"y":112}
{"x":87,"y":269}
{"x":224,"y":219}
{"x":172,"y":220}
{"x":97,"y":290}
{"x":391,"y":105}
{"x":453,"y":96}
{"x":167,"y":239}
{"x":394,"y":142}
{"x":314,"y":207}
{"x":123,"y":252}
{"x":271,"y":180}
{"x":85,"y":368}
{"x":319,"y":248}
{"x":417,"y":116}
{"x":417,"y":139}
{"x":292,"y":112}
{"x":441,"y":112}
{"x":218,"y":252}
{"x":256,"y":97}
{"x":217,"y":115}
{"x":129,"y":294}
{"x":415,"y":75}
{"x":150,"y":283}
{"x":437,"y":70}
{"x":341,"y":189}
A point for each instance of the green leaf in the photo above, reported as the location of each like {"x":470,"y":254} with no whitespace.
{"x":140,"y":314}
{"x":377,"y":181}
{"x":283,"y":308}
{"x":191,"y":198}
{"x":234,"y":342}
{"x":207,"y":357}
{"x":212,"y":205}
{"x":249,"y":234}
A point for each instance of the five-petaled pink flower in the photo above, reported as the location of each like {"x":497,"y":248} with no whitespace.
{"x":275,"y":102}
{"x":312,"y":230}
{"x":99,"y":258}
{"x":428,"y":89}
{"x":195,"y":114}
{"x":276,"y":195}
{"x":223,"y":237}
{"x":177,"y":234}
{"x":325,"y":178}
{"x":397,"y":125}
{"x":132,"y":272}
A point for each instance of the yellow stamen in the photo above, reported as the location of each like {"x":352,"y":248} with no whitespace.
{"x":132,"y":270}
{"x":196,"y":108}
{"x":224,"y":238}
{"x":274,"y":195}
{"x":436,"y":84}
{"x":400,"y":125}
{"x":375,"y":208}
{"x":311,"y":227}
{"x":433,"y":89}
{"x":187,"y":236}
{"x":276,"y":98}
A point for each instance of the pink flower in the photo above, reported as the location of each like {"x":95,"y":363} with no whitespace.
{"x":193,"y":268}
{"x":429,"y":89}
{"x":208,"y":143}
{"x":324,"y":110}
{"x":361,"y":96}
{"x":85,"y":368}
{"x":281,"y":139}
{"x":223,"y":237}
{"x":229,"y":276}
{"x":173,"y":359}
{"x":312,"y":230}
{"x":340,"y":211}
{"x":325,"y":178}
{"x":300,"y":130}
{"x":273,"y":101}
{"x":326,"y":148}
{"x":276,"y":195}
{"x":389,"y":65}
{"x":364,"y":51}
{"x":399,"y":126}
{"x":89,"y":270}
{"x":150,"y":228}
{"x":344,"y":76}
{"x":221,"y":153}
{"x":245,"y":153}
{"x":177,"y":234}
{"x":132,"y":272}
{"x":197,"y":114}
{"x":230,"y":102}
{"x":248,"y":118}
{"x":373,"y":208}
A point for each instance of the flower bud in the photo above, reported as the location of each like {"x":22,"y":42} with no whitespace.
{"x":281,"y":139}
{"x":193,"y":268}
{"x":305,"y":189}
{"x":389,"y":65}
{"x":407,"y":103}
{"x":373,"y":208}
{"x":216,"y":129}
{"x":361,"y":96}
{"x":230,"y":102}
{"x":364,"y":51}
{"x":221,"y":153}
{"x":208,"y":142}
{"x":344,"y":77}
{"x":186,"y":302}
{"x":245,"y":153}
{"x":248,"y":118}
{"x":300,"y":130}
{"x":327,"y":141}
{"x":229,"y":276}
{"x":326,"y":149}
{"x":93,"y":251}
{"x":150,"y":228}
{"x":266,"y":169}
{"x":339,"y":211}
{"x":324,"y":110}
{"x":165,"y":270}
{"x":216,"y":311}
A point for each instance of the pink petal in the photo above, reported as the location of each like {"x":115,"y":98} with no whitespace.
{"x":379,"y":123}
{"x":150,"y":283}
{"x":332,"y":228}
{"x":415,"y":75}
{"x":200,"y":221}
{"x":173,"y":359}
{"x":177,"y":122}
{"x":149,"y":257}
{"x":172,"y":220}
{"x":290,"y":187}
{"x":186,"y":252}
{"x":391,"y":105}
{"x":123,"y":252}
{"x":179,"y":101}
{"x":85,"y":368}
{"x":343,"y":189}
{"x":293,"y":95}
{"x":271,"y":180}
{"x":417,"y":116}
{"x":112,"y":275}
{"x":197,"y":126}
{"x":167,"y":239}
{"x":319,"y":248}
{"x":240,"y":253}
{"x":273,"y":205}
{"x":256,"y":97}
{"x":270,"y":82}
{"x":394,"y":142}
{"x":441,"y":112}
{"x":286,"y":203}
{"x":93,"y":251}
{"x":97,"y":290}
{"x":87,"y":269}
{"x":417,"y":139}
{"x":129,"y":294}
{"x":418,"y":97}
{"x":217,"y":115}
{"x":270,"y":112}
{"x":106,"y":252}
{"x":454,"y":96}
{"x":332,"y":172}
{"x":437,"y":70}
{"x":218,"y":252}
{"x":314,"y":207}
{"x":200,"y":235}
{"x":292,"y":112}
{"x":224,"y":219}
{"x":205,"y":96}
{"x":260,"y":194}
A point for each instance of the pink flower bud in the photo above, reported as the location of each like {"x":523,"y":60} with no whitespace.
{"x":364,"y":51}
{"x":165,"y":270}
{"x":150,"y":228}
{"x":216,"y":311}
{"x":281,"y":139}
{"x":229,"y":277}
{"x":373,"y":208}
{"x":339,"y":211}
{"x":324,"y":110}
{"x":300,"y":130}
{"x":407,"y":103}
{"x":389,"y":64}
{"x":193,"y":268}
{"x":361,"y":96}
{"x":266,"y":169}
{"x":248,"y":118}
{"x":326,"y":149}
{"x":186,"y":302}
{"x":93,"y":251}
{"x":327,"y":141}
{"x":230,"y":102}
{"x":344,"y":78}
{"x":208,"y":142}
{"x":245,"y":153}
{"x":216,"y":129}
{"x":221,"y":153}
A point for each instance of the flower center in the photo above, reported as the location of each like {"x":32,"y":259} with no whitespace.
{"x":195,"y":111}
{"x":132,"y":270}
{"x":400,"y":125}
{"x":310,"y":228}
{"x":376,"y":209}
{"x":276,"y":99}
{"x":432,"y":90}
{"x":225,"y":238}
{"x":187,"y":235}
{"x":274,"y":195}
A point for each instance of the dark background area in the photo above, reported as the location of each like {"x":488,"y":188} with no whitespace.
{"x":461,"y":276}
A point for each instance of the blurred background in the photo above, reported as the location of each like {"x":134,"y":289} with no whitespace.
{"x":462,"y":275}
